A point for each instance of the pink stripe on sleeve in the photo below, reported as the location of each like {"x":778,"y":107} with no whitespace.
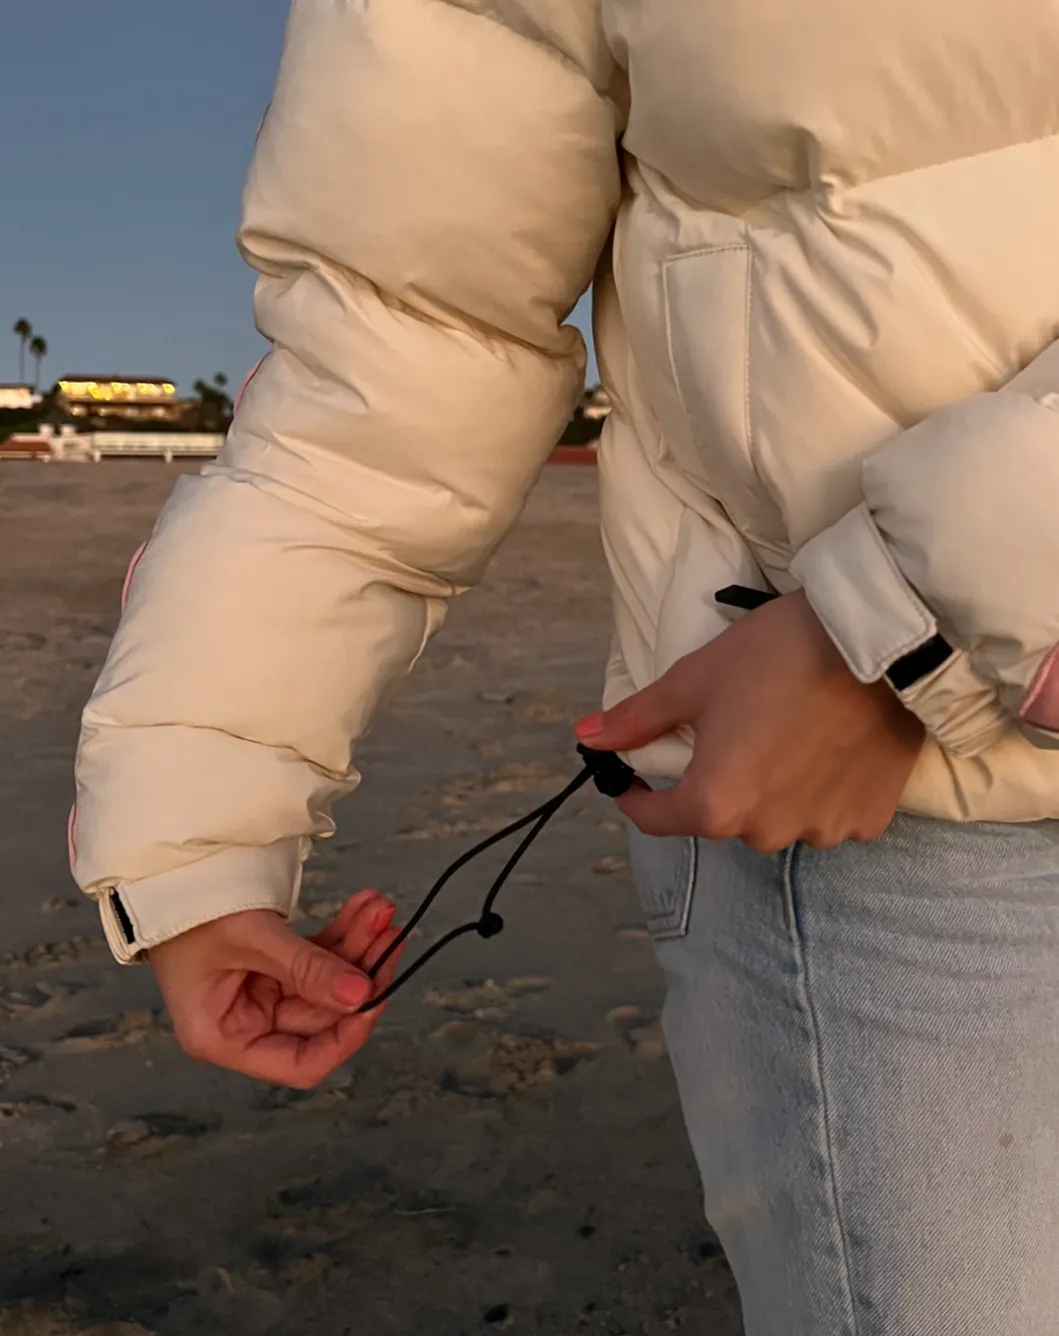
{"x":1041,"y":705}
{"x":246,"y":385}
{"x":136,"y":557}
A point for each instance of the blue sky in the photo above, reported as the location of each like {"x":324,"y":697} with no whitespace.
{"x":127,"y":126}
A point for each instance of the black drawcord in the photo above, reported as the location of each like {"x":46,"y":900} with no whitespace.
{"x":612,"y":778}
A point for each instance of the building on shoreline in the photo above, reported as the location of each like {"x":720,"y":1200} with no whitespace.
{"x":18,"y":398}
{"x":100,"y":401}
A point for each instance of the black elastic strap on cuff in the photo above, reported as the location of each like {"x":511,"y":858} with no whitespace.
{"x":912,"y":668}
{"x":124,"y":921}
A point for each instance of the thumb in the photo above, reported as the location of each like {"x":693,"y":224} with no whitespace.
{"x":317,"y":975}
{"x":639,"y":719}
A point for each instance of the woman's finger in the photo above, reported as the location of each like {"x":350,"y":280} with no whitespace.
{"x":661,"y":812}
{"x":294,"y":1016}
{"x":642,"y":718}
{"x":384,"y":935}
{"x":303,"y":1060}
{"x":357,"y":927}
{"x":356,"y":906}
{"x":352,"y":1032}
{"x":354,"y":936}
{"x":378,"y":949}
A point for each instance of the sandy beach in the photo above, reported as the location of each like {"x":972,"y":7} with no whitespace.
{"x":508,"y":1155}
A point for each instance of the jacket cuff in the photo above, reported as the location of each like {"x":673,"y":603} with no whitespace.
{"x":139,"y":915}
{"x":866,"y":605}
{"x":960,"y":711}
{"x":875,"y":617}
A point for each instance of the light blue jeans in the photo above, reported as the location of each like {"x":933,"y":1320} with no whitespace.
{"x":866,"y":1042}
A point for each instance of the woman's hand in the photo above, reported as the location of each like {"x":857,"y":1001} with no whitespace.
{"x":788,"y":745}
{"x":248,"y":993}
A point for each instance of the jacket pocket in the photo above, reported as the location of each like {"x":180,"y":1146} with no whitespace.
{"x":665,"y":871}
{"x":708,"y":302}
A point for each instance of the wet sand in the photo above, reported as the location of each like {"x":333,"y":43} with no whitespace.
{"x":508,"y":1155}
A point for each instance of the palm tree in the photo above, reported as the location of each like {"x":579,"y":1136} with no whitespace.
{"x":38,"y":349}
{"x":23,"y":332}
{"x":214,"y":409}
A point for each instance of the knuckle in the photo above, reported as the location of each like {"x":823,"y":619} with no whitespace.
{"x":307,"y":970}
{"x":870,"y":830}
{"x":822,"y":837}
{"x":720,"y":817}
{"x":765,"y":841}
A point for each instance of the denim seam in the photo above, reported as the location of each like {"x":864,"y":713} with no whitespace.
{"x":798,"y":941}
{"x":675,"y":921}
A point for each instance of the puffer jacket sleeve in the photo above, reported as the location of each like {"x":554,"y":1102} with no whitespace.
{"x":432,"y":188}
{"x":958,"y":532}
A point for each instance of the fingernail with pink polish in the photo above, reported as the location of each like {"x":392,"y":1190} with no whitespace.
{"x":590,"y":727}
{"x":352,"y":990}
{"x":383,"y":916}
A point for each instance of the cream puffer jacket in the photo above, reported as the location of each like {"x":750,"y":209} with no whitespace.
{"x":825,"y":237}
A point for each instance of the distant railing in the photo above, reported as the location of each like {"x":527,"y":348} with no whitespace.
{"x":167,"y":445}
{"x":95,"y":446}
{"x":79,"y":447}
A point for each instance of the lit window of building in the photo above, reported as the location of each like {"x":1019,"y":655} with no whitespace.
{"x":128,"y":398}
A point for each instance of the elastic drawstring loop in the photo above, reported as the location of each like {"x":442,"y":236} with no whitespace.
{"x":612,"y":777}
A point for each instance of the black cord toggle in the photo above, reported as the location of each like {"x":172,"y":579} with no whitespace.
{"x":490,"y":925}
{"x":612,"y":777}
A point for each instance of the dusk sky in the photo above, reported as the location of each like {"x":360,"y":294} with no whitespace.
{"x":127,"y":129}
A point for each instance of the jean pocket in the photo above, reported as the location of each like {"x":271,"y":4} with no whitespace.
{"x":665,"y":871}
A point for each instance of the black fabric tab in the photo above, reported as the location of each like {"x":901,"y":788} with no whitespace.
{"x":739,"y":596}
{"x":912,"y":668}
{"x":123,"y":918}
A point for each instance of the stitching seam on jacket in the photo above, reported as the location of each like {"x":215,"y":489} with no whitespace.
{"x":929,"y":166}
{"x":959,"y":320}
{"x":319,"y":263}
{"x":373,"y":560}
{"x":749,"y":426}
{"x":541,"y":43}
{"x":825,"y":190}
{"x":94,"y":719}
{"x":667,"y":303}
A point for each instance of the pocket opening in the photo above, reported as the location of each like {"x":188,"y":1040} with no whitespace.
{"x":665,"y":872}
